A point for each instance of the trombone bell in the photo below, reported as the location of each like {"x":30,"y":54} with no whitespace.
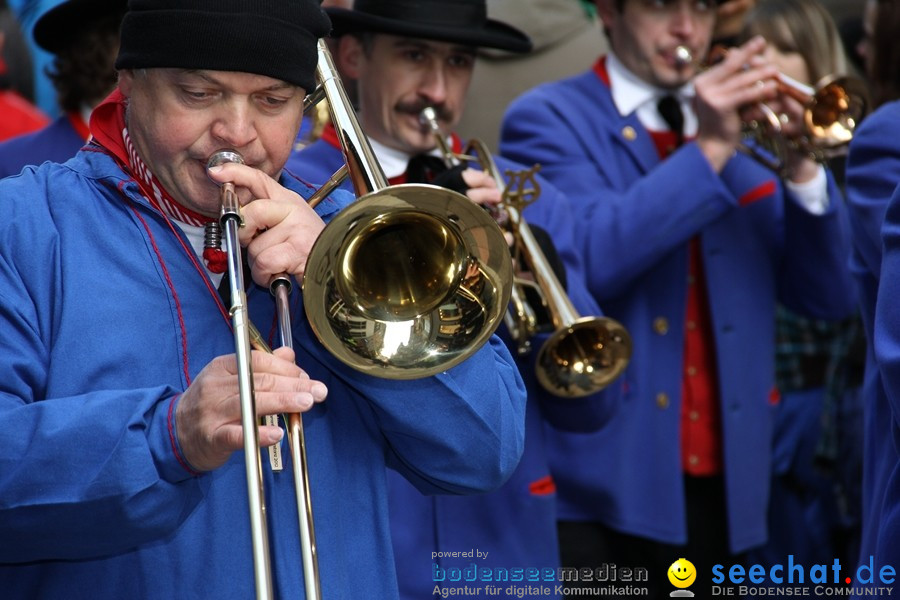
{"x":400,"y":264}
{"x":409,"y":280}
{"x":383,"y":297}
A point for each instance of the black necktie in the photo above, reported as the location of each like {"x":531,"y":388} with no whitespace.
{"x":424,"y":168}
{"x":670,"y":110}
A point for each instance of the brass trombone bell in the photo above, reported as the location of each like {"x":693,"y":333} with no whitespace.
{"x":409,"y":280}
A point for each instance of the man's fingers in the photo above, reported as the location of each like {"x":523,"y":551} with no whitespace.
{"x":254,"y":181}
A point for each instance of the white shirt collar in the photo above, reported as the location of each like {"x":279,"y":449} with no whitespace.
{"x":631,"y":94}
{"x":393,"y":162}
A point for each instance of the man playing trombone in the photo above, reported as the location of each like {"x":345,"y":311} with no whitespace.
{"x":404,"y":57}
{"x":122,"y":473}
{"x":688,"y":243}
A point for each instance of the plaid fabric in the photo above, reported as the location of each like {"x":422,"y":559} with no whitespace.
{"x":813,"y":353}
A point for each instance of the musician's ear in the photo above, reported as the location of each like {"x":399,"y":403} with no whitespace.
{"x":350,"y":56}
{"x":606,"y":10}
{"x":126,"y":82}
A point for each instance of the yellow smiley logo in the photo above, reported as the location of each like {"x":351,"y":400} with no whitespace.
{"x":682,"y":573}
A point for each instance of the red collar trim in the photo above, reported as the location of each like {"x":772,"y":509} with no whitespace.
{"x":78,"y":124}
{"x":600,"y":70}
{"x":329,"y":135}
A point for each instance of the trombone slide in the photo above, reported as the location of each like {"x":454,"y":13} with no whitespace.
{"x":246,"y":336}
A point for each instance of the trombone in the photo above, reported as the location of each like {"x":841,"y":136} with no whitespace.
{"x":406,"y":282}
{"x":407,"y":318}
{"x":583,"y":354}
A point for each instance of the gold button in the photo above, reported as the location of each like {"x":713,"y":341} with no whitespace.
{"x":661,"y":325}
{"x":662,"y":400}
{"x":694,"y":415}
{"x":691,"y":280}
{"x":691,"y":325}
{"x":691,"y":371}
{"x":693,"y":460}
{"x":629,"y":133}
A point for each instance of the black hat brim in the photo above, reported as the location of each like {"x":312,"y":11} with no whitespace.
{"x":493,"y":34}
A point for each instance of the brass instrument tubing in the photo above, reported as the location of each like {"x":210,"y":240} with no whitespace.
{"x":230,"y":221}
{"x":336,"y":179}
{"x":247,"y":336}
{"x":523,"y":324}
{"x":280,"y":287}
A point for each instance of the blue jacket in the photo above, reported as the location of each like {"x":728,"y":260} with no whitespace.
{"x":873,"y":172}
{"x":636,"y":216}
{"x":57,"y":142}
{"x":516,"y":524}
{"x":104,"y":320}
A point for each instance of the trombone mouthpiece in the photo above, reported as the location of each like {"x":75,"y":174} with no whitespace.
{"x":683,"y":56}
{"x":231,"y":207}
{"x":220,"y":157}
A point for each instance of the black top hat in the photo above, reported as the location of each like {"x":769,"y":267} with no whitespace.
{"x":62,"y":24}
{"x":456,"y":21}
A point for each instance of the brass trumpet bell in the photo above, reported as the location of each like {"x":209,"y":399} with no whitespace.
{"x":833,"y":109}
{"x":584,"y":356}
{"x":834,"y":112}
{"x":407,"y":281}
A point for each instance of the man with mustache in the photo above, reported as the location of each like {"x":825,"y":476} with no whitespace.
{"x":404,"y":56}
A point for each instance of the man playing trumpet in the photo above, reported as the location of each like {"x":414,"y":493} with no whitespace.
{"x":688,"y":243}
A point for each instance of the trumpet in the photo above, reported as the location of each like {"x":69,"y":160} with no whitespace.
{"x":406,"y":282}
{"x":583,"y":354}
{"x":833,"y":108}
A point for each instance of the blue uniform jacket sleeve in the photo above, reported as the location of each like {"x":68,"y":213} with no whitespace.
{"x":887,"y":309}
{"x":873,"y":171}
{"x":815,"y":277}
{"x":460,"y":431}
{"x":457,"y":432}
{"x":72,"y":466}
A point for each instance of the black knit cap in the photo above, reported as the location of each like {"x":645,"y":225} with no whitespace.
{"x":275,"y":38}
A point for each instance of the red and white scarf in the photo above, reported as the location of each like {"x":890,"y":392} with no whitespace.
{"x":109,"y":130}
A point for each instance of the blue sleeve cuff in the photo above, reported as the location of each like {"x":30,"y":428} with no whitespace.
{"x":170,"y":460}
